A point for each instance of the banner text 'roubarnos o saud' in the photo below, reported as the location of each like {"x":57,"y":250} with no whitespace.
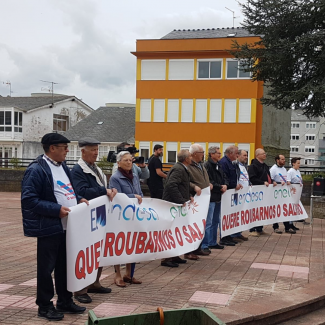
{"x":122,"y":231}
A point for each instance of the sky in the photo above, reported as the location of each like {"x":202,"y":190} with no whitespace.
{"x":84,"y":45}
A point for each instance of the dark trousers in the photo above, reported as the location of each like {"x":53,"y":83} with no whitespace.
{"x":257,"y":229}
{"x":51,"y":256}
{"x":156,"y":193}
{"x":287,"y":225}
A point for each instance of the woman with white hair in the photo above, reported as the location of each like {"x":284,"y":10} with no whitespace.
{"x":128,"y":183}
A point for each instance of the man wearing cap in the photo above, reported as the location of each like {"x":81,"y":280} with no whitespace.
{"x":47,"y":194}
{"x":90,"y":182}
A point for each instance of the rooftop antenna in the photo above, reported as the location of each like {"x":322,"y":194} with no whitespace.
{"x":8,"y":83}
{"x":233,"y":16}
{"x":52,"y":88}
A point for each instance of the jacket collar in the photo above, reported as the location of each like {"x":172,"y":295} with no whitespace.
{"x":87,"y":170}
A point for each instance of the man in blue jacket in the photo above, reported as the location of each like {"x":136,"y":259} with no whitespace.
{"x":90,"y":182}
{"x":47,"y":194}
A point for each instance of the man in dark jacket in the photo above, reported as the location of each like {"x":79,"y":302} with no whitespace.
{"x":90,"y":182}
{"x":259,"y":174}
{"x":219,"y":181}
{"x":177,"y":190}
{"x":47,"y":194}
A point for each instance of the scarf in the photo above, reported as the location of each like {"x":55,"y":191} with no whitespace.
{"x":127,"y":174}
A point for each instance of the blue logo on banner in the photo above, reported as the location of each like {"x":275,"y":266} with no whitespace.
{"x":98,"y":217}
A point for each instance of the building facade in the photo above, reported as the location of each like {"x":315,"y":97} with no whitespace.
{"x":189,"y":88}
{"x":307,"y":139}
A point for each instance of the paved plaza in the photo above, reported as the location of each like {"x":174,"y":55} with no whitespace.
{"x":229,"y":282}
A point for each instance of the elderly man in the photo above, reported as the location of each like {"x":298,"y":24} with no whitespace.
{"x":230,"y":167}
{"x":279,"y":175}
{"x":47,"y":194}
{"x":177,"y":190}
{"x":219,"y":181}
{"x":259,"y":174}
{"x":91,"y":183}
{"x":199,"y":180}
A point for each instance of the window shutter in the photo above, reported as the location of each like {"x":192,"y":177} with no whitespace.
{"x":215,"y":110}
{"x":181,"y":70}
{"x":187,"y":110}
{"x":201,"y":110}
{"x":145,"y":110}
{"x":173,"y":107}
{"x":230,"y":111}
{"x":244,"y":111}
{"x":153,"y":69}
{"x":159,"y":110}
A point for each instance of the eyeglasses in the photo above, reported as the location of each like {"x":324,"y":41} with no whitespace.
{"x":65,"y":147}
{"x":199,"y":152}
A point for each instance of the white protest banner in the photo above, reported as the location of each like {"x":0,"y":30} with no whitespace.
{"x":122,"y":231}
{"x":260,"y":205}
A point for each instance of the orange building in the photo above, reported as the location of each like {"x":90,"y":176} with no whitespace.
{"x":189,"y":89}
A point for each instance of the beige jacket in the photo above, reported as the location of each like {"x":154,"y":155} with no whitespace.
{"x":199,"y":177}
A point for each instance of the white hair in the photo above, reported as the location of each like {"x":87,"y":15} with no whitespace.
{"x":195,"y":147}
{"x":121,"y":154}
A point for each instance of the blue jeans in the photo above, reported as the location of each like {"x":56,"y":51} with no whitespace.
{"x":211,"y":227}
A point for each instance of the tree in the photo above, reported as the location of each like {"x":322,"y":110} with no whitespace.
{"x":290,"y":56}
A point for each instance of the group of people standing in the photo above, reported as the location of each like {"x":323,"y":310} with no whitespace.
{"x":49,"y":189}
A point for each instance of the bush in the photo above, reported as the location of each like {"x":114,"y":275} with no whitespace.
{"x":15,"y":163}
{"x":103,"y":164}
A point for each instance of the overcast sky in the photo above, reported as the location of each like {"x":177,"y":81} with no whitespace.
{"x":85,"y":45}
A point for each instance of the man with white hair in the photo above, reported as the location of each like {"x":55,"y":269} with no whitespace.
{"x":199,"y":180}
{"x":90,"y":180}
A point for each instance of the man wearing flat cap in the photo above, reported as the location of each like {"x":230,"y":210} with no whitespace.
{"x":90,"y":182}
{"x":47,"y":194}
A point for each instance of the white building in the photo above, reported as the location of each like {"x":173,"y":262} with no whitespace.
{"x":24,"y":121}
{"x":307,"y":139}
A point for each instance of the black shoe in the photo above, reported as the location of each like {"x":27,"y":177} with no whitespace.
{"x":84,"y":298}
{"x":202,"y":252}
{"x":70,"y":309}
{"x":206,"y":250}
{"x":50,"y":314}
{"x":99,"y":290}
{"x":290,"y":231}
{"x":227,"y":243}
{"x":294,"y":227}
{"x":217,"y":246}
{"x":178,"y":260}
{"x":169,"y":264}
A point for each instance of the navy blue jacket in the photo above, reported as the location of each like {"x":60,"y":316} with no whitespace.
{"x":85,"y":184}
{"x":231,"y":170}
{"x":39,"y":206}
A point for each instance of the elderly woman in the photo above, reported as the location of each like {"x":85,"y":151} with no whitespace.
{"x":128,"y":183}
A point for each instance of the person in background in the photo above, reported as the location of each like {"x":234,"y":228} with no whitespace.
{"x":127,"y":182}
{"x":47,"y":194}
{"x":177,"y":190}
{"x":90,"y":182}
{"x":219,"y":181}
{"x":155,"y":181}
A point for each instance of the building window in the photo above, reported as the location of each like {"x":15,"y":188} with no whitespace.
{"x":153,"y":69}
{"x":311,"y":125}
{"x":181,"y":70}
{"x":187,"y":110}
{"x":209,"y":69}
{"x":173,"y":109}
{"x":5,"y":121}
{"x":244,"y":111}
{"x":145,"y":110}
{"x":230,"y":111}
{"x":201,"y":109}
{"x":215,"y":110}
{"x":171,"y":152}
{"x":159,"y":110}
{"x":60,"y":122}
{"x":310,"y":137}
{"x":295,"y":125}
{"x":234,"y":69}
{"x":309,"y":149}
{"x":102,"y":152}
{"x":18,"y":121}
{"x":294,"y":149}
{"x":144,"y":149}
{"x":185,"y":145}
{"x":294,"y":137}
{"x":309,"y":161}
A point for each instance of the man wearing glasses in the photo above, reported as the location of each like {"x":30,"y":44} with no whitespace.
{"x":46,"y":198}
